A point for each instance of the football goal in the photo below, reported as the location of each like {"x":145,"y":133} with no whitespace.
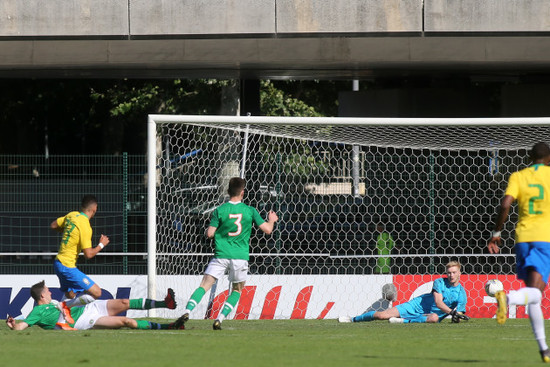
{"x":362,"y":202}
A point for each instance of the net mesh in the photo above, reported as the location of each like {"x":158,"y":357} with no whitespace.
{"x":435,"y":136}
{"x":433,"y":189}
{"x":437,"y":202}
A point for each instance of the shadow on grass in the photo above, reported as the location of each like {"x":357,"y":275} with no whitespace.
{"x":436,"y":359}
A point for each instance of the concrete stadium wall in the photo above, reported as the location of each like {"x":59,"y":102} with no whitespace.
{"x":63,"y":18}
{"x":126,"y":18}
{"x":202,"y":17}
{"x":270,"y":38}
{"x":350,"y":16}
{"x":486,"y":16}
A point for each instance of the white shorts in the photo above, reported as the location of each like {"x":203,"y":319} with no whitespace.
{"x":92,"y":312}
{"x":237,"y":269}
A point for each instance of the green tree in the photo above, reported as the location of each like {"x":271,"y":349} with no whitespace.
{"x":89,"y":116}
{"x":275,"y":102}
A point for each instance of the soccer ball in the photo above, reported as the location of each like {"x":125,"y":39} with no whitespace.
{"x":389,"y":292}
{"x":492,"y":286}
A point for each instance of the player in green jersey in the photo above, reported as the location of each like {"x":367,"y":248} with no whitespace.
{"x":230,"y":227}
{"x":384,"y":246}
{"x":101,"y":314}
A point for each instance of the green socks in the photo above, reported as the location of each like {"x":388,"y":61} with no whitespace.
{"x":143,"y":325}
{"x":231,"y":302}
{"x":146,"y":304}
{"x":147,"y":325}
{"x":195,"y":298}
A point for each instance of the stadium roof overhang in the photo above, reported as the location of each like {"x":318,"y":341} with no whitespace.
{"x":304,"y":57}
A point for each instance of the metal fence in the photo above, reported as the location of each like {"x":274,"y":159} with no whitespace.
{"x":35,"y":190}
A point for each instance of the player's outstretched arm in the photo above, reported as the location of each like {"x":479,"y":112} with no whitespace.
{"x":438,"y":300}
{"x":91,"y":252}
{"x":494,"y":243}
{"x":457,"y":316}
{"x":267,"y":227}
{"x":55,"y":226}
{"x":12,"y":324}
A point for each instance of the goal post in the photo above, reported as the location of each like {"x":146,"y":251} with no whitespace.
{"x":433,"y":183}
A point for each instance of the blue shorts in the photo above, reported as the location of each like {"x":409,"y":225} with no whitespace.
{"x":414,"y":308}
{"x":534,"y":255}
{"x":408,"y":311}
{"x":71,"y":279}
{"x":417,"y":307}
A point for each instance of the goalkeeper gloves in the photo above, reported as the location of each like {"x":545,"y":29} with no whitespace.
{"x":456,"y":316}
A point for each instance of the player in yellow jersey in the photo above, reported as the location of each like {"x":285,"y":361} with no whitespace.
{"x":530,"y":187}
{"x":77,"y":238}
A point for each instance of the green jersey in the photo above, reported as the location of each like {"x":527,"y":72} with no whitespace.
{"x":233,"y":222}
{"x":384,"y":244}
{"x":46,"y":316}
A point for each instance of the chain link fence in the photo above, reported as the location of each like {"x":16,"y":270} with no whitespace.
{"x":35,"y":190}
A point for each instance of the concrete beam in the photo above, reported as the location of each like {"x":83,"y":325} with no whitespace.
{"x":350,"y":16}
{"x":487,"y":16}
{"x":63,"y":18}
{"x":202,"y":17}
{"x":271,"y":38}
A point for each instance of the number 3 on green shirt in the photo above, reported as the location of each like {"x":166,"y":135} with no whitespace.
{"x":532,"y":199}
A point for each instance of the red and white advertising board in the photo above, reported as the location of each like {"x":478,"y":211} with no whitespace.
{"x":272,"y":296}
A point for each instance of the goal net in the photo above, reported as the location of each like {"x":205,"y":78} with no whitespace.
{"x":431,"y":186}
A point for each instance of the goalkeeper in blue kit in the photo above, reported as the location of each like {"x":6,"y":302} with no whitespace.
{"x":230,"y":227}
{"x":447,"y":298}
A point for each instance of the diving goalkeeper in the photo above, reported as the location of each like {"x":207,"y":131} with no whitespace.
{"x":447,"y":298}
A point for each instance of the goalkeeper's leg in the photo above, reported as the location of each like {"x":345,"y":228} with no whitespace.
{"x":419,"y":319}
{"x":377,"y":315}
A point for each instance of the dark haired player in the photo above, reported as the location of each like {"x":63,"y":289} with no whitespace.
{"x":77,"y":237}
{"x":230,"y":227}
{"x":530,"y":187}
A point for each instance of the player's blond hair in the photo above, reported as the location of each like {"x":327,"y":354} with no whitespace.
{"x":450,"y":264}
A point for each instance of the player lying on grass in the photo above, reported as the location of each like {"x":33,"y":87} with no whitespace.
{"x":100,"y":314}
{"x":447,"y":297}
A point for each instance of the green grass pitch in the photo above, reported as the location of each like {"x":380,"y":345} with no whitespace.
{"x":479,"y":342}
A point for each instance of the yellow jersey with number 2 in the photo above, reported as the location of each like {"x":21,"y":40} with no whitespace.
{"x":531,"y":188}
{"x":77,"y":235}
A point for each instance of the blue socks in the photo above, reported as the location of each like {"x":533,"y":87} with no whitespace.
{"x":367,"y":316}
